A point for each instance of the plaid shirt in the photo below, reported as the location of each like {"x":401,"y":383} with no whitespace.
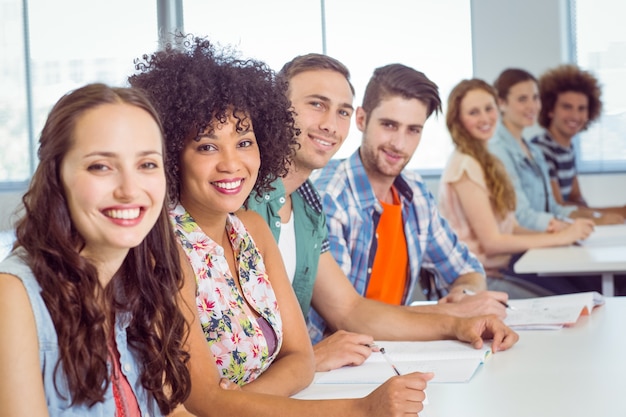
{"x":352,"y":214}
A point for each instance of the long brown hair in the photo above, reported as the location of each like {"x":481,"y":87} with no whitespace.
{"x":501,"y":191}
{"x":145,"y":286}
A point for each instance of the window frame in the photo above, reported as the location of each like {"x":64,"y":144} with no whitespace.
{"x":594,"y":166}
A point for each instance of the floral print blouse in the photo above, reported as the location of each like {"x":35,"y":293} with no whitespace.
{"x":235,"y":337}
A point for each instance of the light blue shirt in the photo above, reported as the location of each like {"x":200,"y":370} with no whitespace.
{"x":535,"y":203}
{"x":59,"y":403}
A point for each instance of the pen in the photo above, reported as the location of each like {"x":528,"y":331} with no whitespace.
{"x":504,"y":303}
{"x":387,"y":358}
{"x":382,"y":351}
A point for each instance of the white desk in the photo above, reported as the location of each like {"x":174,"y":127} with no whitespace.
{"x":604,"y":253}
{"x":572,"y":372}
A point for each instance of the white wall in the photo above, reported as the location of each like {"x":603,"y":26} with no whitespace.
{"x":529,"y":34}
{"x":9,"y":202}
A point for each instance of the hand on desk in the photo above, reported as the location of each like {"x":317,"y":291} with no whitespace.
{"x":482,"y":303}
{"x":475,"y":329}
{"x":580,"y":229}
{"x":398,"y":396}
{"x":340,"y":349}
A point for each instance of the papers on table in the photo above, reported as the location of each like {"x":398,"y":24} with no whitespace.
{"x":552,"y":312}
{"x":449,"y":360}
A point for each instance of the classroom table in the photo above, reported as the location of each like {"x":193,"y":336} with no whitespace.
{"x":574,"y":372}
{"x":603,"y":254}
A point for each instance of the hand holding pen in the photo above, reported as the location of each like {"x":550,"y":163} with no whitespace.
{"x":425,"y":376}
{"x":504,"y":303}
{"x":376,"y":348}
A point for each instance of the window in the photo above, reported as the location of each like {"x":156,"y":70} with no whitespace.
{"x":286,"y":28}
{"x":71,"y":43}
{"x":64,"y":44}
{"x":15,"y":154}
{"x":431,"y":36}
{"x":600,"y":45}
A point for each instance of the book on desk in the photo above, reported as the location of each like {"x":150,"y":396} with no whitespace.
{"x":449,"y":360}
{"x":552,"y":312}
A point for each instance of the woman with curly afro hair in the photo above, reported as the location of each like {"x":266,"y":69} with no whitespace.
{"x":229,"y":132}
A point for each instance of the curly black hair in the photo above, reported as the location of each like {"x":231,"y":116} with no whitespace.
{"x":563,"y":79}
{"x":192,"y":83}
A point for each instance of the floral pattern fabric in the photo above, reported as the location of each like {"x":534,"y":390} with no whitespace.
{"x":238,"y":344}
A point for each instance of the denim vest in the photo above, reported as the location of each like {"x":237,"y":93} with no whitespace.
{"x":59,"y":403}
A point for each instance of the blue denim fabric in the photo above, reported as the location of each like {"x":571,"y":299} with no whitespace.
{"x":535,"y":203}
{"x":59,"y":403}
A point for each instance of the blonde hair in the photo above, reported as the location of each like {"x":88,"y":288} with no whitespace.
{"x":501,"y":191}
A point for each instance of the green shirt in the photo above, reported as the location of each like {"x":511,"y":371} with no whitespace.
{"x":310,"y":229}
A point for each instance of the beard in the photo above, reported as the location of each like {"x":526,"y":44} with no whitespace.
{"x":375,"y":161}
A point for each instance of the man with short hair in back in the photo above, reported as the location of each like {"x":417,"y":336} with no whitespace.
{"x":571,"y":102}
{"x":321,"y":95}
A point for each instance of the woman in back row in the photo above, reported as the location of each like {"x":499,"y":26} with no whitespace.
{"x":478,"y":198}
{"x":518,"y":99}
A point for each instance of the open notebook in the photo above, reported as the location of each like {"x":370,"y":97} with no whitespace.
{"x":449,"y":360}
{"x":553,"y":312}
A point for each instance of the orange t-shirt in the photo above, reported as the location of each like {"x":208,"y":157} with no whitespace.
{"x":387,"y":282}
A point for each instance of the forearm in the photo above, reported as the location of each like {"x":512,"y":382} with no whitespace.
{"x":472,"y":281}
{"x":522,"y":240}
{"x":374,"y":318}
{"x":621,"y":210}
{"x":226,"y":403}
{"x":286,"y":376}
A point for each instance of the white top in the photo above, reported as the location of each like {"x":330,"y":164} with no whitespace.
{"x":287,"y":246}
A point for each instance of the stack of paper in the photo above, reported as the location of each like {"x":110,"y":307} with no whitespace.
{"x":449,"y":360}
{"x":552,"y":312}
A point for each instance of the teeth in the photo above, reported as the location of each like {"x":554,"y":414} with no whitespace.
{"x":228,"y":185}
{"x":126,"y":214}
{"x":323,"y":142}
